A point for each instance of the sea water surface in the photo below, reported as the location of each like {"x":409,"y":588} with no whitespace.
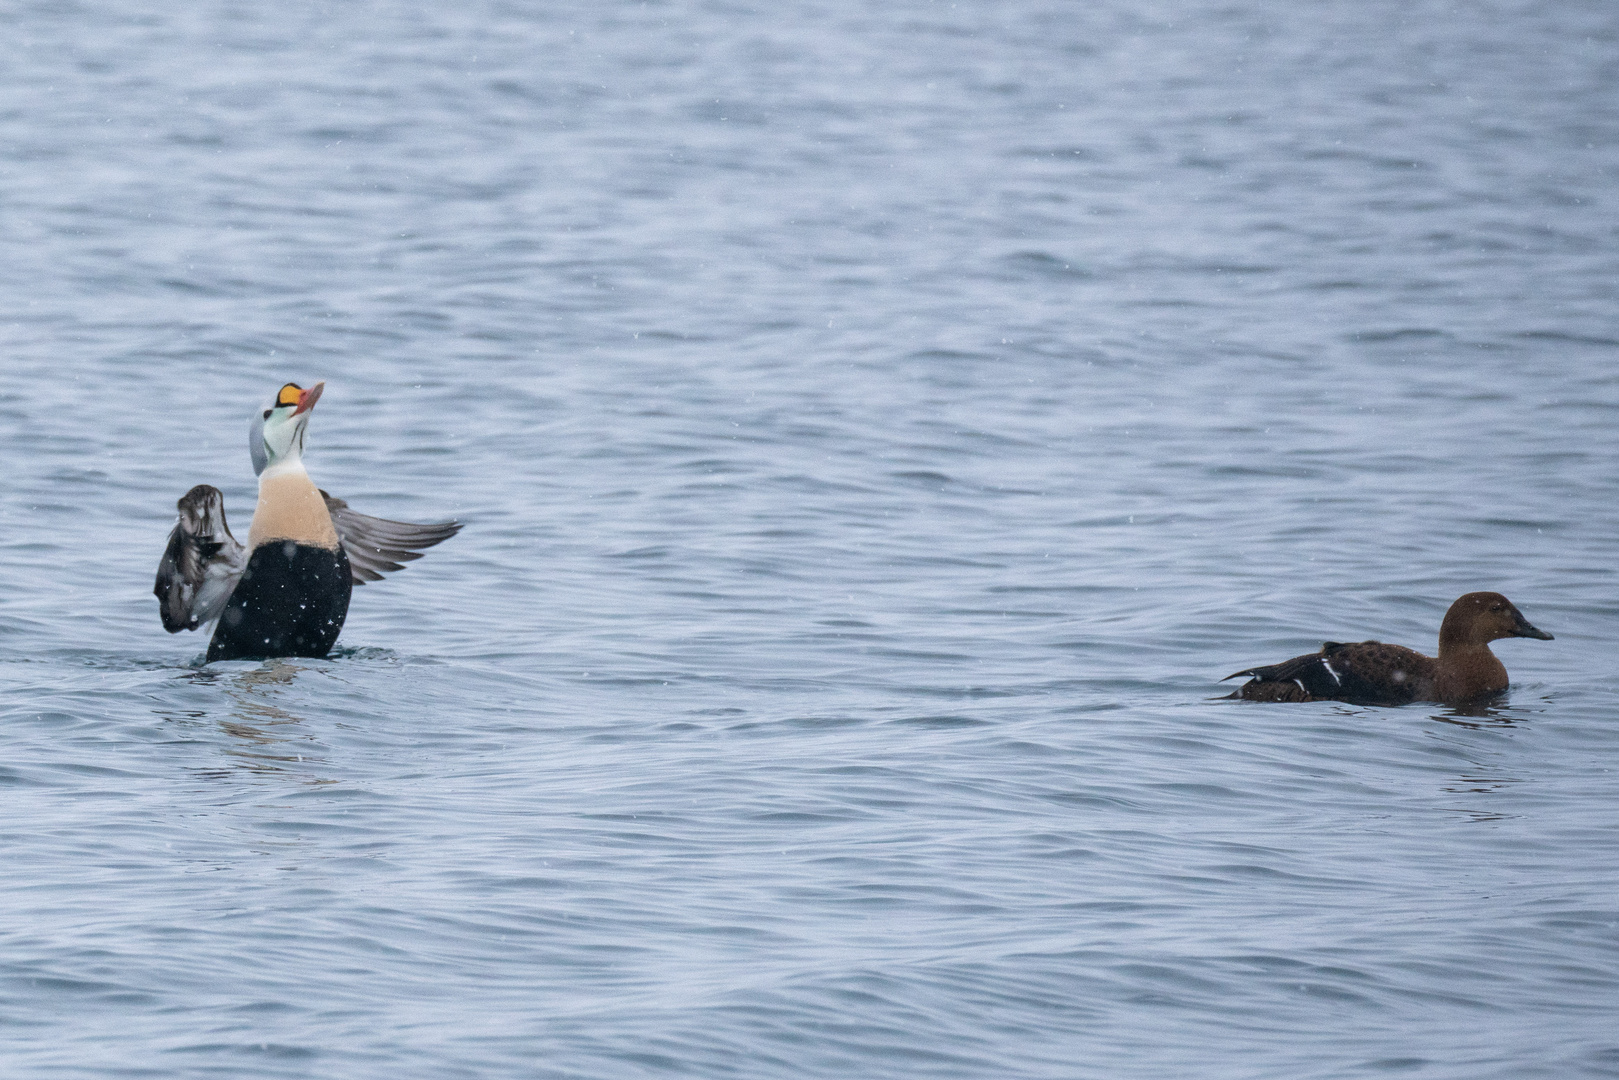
{"x":877,"y":428}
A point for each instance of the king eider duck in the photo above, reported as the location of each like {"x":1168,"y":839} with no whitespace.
{"x":1372,"y":673}
{"x":286,"y":593}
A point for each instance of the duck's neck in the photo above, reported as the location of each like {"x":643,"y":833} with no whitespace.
{"x":1468,"y":669}
{"x":291,"y":508}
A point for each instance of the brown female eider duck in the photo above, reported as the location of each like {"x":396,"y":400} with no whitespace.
{"x":286,"y":593}
{"x":1372,"y":673}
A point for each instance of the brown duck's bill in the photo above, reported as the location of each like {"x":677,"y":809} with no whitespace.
{"x":1525,"y":629}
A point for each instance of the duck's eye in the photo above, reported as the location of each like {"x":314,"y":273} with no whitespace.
{"x":267,"y":413}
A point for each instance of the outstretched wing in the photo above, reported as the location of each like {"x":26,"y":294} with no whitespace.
{"x":376,"y":546}
{"x":177,"y":584}
{"x":201,"y":564}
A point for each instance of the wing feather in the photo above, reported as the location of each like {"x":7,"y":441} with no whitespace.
{"x":1364,"y":671}
{"x":377,"y":546}
{"x":201,"y":562}
{"x":177,"y":584}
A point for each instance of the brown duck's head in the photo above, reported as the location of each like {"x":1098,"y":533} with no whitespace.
{"x":1482,"y":617}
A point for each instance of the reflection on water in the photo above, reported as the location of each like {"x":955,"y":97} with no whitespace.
{"x":1483,"y":778}
{"x":1481,"y":785}
{"x":1479,"y":714}
{"x":262,"y":732}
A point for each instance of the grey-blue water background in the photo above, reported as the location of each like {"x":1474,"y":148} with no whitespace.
{"x":877,"y":428}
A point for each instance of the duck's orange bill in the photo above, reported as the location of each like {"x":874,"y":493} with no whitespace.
{"x":307,"y":399}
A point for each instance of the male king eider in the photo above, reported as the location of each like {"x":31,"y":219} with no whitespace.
{"x":287,"y":592}
{"x":1372,"y":673}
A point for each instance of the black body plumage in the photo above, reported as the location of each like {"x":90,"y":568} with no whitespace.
{"x":291,"y":601}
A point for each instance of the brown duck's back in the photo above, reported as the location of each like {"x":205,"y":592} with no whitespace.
{"x":1384,"y":673}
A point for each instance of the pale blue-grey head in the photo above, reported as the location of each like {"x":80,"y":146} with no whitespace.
{"x":276,"y":433}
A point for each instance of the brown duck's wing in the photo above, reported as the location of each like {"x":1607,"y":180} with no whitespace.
{"x":1299,"y":679}
{"x":201,"y":562}
{"x":1375,"y":673}
{"x":1365,"y":671}
{"x":1286,"y":671}
{"x":376,"y":546}
{"x":1368,"y":672}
